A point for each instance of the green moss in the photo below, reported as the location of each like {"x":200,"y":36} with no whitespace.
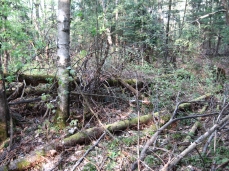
{"x":60,"y":119}
{"x":40,"y":153}
{"x":23,"y":164}
{"x":3,"y":134}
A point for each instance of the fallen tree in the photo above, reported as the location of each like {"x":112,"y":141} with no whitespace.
{"x":93,"y":133}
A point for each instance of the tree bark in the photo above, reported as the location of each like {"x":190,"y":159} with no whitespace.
{"x":225,"y":5}
{"x":63,"y":62}
{"x":4,"y":110}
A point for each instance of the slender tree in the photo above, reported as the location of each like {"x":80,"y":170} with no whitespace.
{"x":4,"y":110}
{"x":63,"y":62}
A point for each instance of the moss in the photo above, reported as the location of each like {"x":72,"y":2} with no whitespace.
{"x":23,"y":164}
{"x":3,"y":134}
{"x":40,"y":153}
{"x":60,"y":119}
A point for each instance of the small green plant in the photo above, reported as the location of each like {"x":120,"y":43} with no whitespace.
{"x":112,"y":156}
{"x":113,"y":144}
{"x":131,"y":140}
{"x":45,"y":97}
{"x":50,"y":80}
{"x":10,"y":78}
{"x":177,"y":136}
{"x":151,"y":160}
{"x":50,"y":105}
{"x":89,"y":167}
{"x":73,"y":122}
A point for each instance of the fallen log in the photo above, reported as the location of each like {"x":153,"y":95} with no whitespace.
{"x":93,"y":133}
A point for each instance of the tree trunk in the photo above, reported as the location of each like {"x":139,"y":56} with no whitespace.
{"x":225,"y":5}
{"x":63,"y":62}
{"x":4,"y":110}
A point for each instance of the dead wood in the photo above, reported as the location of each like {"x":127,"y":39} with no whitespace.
{"x":175,"y":160}
{"x":192,"y":131}
{"x":128,"y":86}
{"x":87,"y":152}
{"x":25,"y":101}
{"x":14,"y":90}
{"x":180,"y":105}
{"x":34,"y":80}
{"x":93,"y":133}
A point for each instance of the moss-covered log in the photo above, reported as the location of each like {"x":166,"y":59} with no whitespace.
{"x":34,"y":80}
{"x":93,"y":133}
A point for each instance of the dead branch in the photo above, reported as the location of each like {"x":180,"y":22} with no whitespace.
{"x":87,"y":152}
{"x":172,"y":120}
{"x":129,"y":86}
{"x":193,"y":145}
{"x":25,"y":101}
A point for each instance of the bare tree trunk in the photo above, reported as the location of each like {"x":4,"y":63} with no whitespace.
{"x":4,"y":110}
{"x":37,"y":4}
{"x":116,"y":23}
{"x":6,"y":54}
{"x":225,"y":5}
{"x":6,"y":61}
{"x":217,"y":45}
{"x":63,"y":62}
{"x":167,"y":34}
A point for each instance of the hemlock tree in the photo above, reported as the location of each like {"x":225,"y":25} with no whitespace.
{"x":63,"y":60}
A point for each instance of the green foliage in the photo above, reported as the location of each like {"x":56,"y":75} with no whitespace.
{"x":220,"y":156}
{"x":50,"y":105}
{"x":73,"y":122}
{"x":10,"y":78}
{"x":130,"y":140}
{"x":45,"y":97}
{"x":112,"y":157}
{"x":89,"y":167}
{"x":152,"y":161}
{"x":50,"y":80}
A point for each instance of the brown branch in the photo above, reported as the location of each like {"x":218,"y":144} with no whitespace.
{"x":25,"y":101}
{"x":128,"y":86}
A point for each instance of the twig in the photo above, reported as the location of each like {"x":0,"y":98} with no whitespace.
{"x":222,"y":165}
{"x":87,"y":152}
{"x":11,"y":131}
{"x":25,"y":101}
{"x":23,"y":91}
{"x":193,"y":145}
{"x":92,"y":111}
{"x":172,"y":120}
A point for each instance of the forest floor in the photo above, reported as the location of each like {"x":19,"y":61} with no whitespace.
{"x":35,"y":131}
